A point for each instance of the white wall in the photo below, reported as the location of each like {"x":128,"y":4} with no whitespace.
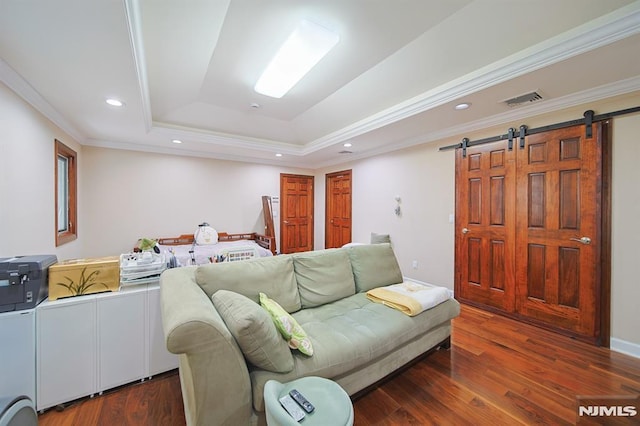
{"x":132,"y":194}
{"x":625,"y":256}
{"x":424,"y":180}
{"x":27,"y":205}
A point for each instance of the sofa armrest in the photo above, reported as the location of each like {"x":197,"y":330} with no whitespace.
{"x":189,"y":319}
{"x":215,"y":380}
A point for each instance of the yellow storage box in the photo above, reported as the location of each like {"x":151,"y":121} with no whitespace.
{"x":75,"y":277}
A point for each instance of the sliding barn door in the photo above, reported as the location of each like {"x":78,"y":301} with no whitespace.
{"x":529,"y":229}
{"x":485,"y":197}
{"x":558,"y":232}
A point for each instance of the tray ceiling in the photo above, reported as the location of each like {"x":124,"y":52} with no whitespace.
{"x":188,"y":72}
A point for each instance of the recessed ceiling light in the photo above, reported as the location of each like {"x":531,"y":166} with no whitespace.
{"x":176,"y":141}
{"x":114,"y":102}
{"x":462,"y":106}
{"x":347,"y":145}
{"x":278,"y":155}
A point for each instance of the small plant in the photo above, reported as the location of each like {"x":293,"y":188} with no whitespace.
{"x":145,"y":244}
{"x":84,"y":284}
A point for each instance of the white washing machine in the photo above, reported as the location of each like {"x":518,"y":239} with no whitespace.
{"x":17,"y":411}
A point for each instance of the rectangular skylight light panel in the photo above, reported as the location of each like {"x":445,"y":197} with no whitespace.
{"x":304,"y":48}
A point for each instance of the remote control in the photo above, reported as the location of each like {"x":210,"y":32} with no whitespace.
{"x":297,"y":396}
{"x":292,"y":408}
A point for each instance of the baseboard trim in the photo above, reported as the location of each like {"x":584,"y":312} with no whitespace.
{"x":622,"y":346}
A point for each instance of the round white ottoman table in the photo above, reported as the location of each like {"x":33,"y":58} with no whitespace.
{"x":332,"y":404}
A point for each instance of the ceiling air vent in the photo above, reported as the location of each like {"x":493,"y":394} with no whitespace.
{"x":523,"y":99}
{"x":344,"y":151}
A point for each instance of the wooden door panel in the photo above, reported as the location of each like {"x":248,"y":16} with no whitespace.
{"x":496,"y":205}
{"x":304,"y":232}
{"x":474,"y":270}
{"x":485,"y":201}
{"x":303,"y":203}
{"x":475,"y":201}
{"x":558,"y":179}
{"x":498,"y":260}
{"x":536,"y":199}
{"x":569,"y":277}
{"x":296,"y":228}
{"x":338,"y":209}
{"x":536,"y":271}
{"x":569,"y":199}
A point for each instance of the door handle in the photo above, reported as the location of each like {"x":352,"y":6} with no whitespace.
{"x":465,"y":230}
{"x":285,"y":221}
{"x":584,"y":240}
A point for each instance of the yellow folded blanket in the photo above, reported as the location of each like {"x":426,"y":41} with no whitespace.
{"x":408,"y":297}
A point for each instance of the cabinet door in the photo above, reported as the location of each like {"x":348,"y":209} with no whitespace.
{"x":160,"y":359}
{"x":18,"y":354}
{"x":121,"y":337}
{"x":66,"y":354}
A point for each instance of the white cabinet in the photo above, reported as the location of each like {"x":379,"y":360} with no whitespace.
{"x":18,"y":354}
{"x":92,"y":343}
{"x":122,"y":324}
{"x":66,"y":342}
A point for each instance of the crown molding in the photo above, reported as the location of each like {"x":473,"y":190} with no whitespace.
{"x":170,"y":131}
{"x":180,"y":151}
{"x":26,"y":91}
{"x":522,"y":113}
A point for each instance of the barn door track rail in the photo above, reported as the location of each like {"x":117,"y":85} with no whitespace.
{"x":520,"y":134}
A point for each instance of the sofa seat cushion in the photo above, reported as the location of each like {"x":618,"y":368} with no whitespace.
{"x":350,"y":333}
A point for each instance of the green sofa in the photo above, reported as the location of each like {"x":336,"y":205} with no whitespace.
{"x":356,"y":342}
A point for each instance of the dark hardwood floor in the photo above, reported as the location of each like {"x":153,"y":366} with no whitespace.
{"x":498,"y":372}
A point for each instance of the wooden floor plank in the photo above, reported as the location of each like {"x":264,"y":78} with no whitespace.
{"x":373,"y":406}
{"x":497,"y":372}
{"x":468,"y":404}
{"x":89,"y":414}
{"x":113,"y":408}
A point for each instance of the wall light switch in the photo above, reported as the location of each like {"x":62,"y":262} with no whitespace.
{"x":451,"y":217}
{"x":414,"y":264}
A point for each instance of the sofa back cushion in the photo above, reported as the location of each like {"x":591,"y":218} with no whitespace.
{"x":323,"y":276}
{"x":271,"y":275}
{"x":254,"y":330}
{"x":374,"y":265}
